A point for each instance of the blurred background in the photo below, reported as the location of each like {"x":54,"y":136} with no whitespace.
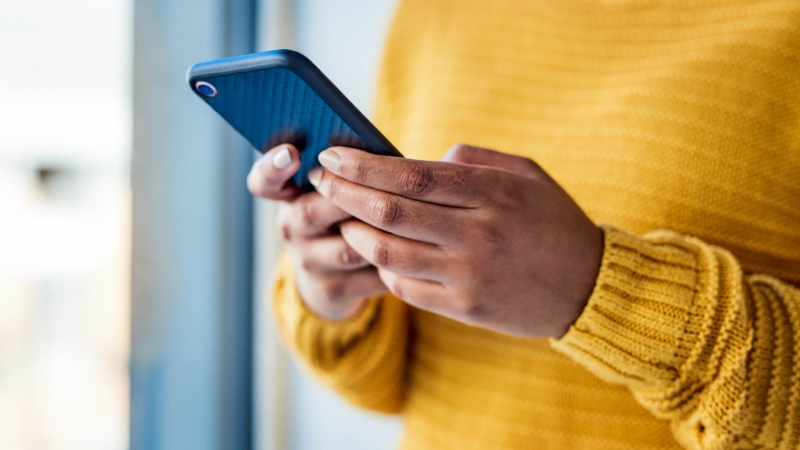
{"x":134,"y":266}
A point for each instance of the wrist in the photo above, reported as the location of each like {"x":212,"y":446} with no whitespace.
{"x":582,"y":284}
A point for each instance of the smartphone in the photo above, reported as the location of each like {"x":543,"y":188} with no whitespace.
{"x":280,"y":96}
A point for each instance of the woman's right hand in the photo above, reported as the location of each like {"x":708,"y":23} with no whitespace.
{"x":333,"y":280}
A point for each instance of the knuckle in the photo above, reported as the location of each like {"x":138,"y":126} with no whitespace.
{"x":416,"y":180}
{"x":284,"y":222}
{"x":380,"y":253}
{"x":395,"y":286}
{"x":334,"y":290}
{"x":505,"y":192}
{"x":306,"y":215}
{"x":461,"y":179}
{"x":251,"y":183}
{"x":386,"y":210}
{"x":533,"y":169}
{"x":361,"y":171}
{"x":349,"y":257}
{"x":461,"y":152}
{"x":490,"y":236}
{"x":333,"y":186}
{"x":255,"y":183}
{"x":531,"y":165}
{"x":471,"y":308}
{"x":307,"y":264}
{"x":286,"y":232}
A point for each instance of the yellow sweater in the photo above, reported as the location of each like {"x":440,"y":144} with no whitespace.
{"x":680,"y":116}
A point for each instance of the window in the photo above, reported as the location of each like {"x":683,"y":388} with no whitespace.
{"x":64,"y":224}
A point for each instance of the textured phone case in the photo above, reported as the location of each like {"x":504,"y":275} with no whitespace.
{"x":276,"y":100}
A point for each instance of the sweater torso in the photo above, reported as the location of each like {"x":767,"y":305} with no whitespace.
{"x":652,"y":115}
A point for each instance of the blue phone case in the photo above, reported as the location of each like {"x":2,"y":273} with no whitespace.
{"x":281,"y":97}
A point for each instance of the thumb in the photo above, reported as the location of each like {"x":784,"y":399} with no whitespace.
{"x":477,"y":156}
{"x":270,"y":176}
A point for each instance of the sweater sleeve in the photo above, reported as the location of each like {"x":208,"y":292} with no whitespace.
{"x":698,"y":342}
{"x":363,"y":358}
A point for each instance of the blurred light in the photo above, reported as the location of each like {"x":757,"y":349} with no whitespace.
{"x":54,"y":243}
{"x":64,"y":223}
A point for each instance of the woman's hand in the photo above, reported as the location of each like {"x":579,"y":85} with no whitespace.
{"x":486,"y":238}
{"x":333,"y":280}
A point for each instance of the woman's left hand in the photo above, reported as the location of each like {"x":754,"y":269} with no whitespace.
{"x":484,"y":238}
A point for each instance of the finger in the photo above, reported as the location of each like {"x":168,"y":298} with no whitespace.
{"x":270,"y":175}
{"x":422,"y":294}
{"x":329,"y":255}
{"x":399,"y":215}
{"x":309,"y":215}
{"x":394,"y":253}
{"x":477,"y":156}
{"x":338,"y":297}
{"x":429,"y":181}
{"x":361,"y":284}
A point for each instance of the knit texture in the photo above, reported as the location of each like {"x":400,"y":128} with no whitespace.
{"x":654,"y":115}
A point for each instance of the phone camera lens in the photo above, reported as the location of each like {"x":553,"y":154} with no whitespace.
{"x":206,"y":89}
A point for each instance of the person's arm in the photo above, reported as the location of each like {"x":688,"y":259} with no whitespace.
{"x":362,"y":358}
{"x":699,"y":342}
{"x":350,"y":338}
{"x":493,"y":241}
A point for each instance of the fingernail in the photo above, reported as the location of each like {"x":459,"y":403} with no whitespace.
{"x":282,"y":159}
{"x":314,"y":175}
{"x":330,"y":160}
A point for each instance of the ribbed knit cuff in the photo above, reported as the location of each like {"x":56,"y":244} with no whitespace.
{"x":641,"y":322}
{"x":323,"y":341}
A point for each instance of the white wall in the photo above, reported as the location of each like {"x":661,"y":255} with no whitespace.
{"x":344,"y":38}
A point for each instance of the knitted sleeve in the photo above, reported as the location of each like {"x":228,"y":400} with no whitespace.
{"x":714,"y":350}
{"x":363,"y":358}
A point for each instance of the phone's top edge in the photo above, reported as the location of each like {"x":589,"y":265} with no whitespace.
{"x":244,"y":63}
